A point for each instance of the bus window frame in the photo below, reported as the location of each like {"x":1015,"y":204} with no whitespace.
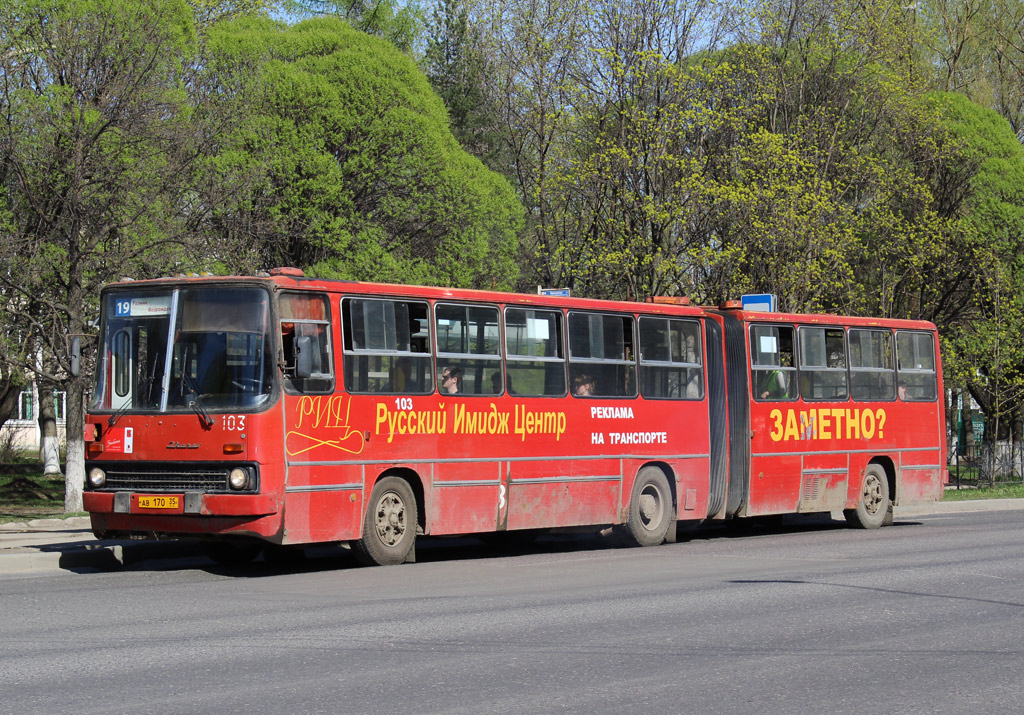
{"x":845,"y":370}
{"x":561,"y":342}
{"x":872,"y":370}
{"x":288,"y":381}
{"x":791,"y":372}
{"x":444,"y":360}
{"x":699,"y":365}
{"x":603,"y":361}
{"x":933,"y":371}
{"x":398,"y":354}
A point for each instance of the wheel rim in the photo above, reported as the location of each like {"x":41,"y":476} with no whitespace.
{"x":389,"y":518}
{"x":872,"y":494}
{"x":651,"y":507}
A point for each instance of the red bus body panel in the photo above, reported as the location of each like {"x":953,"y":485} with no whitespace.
{"x":494,"y":463}
{"x":810,"y":456}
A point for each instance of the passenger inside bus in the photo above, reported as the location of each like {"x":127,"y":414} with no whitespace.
{"x":774,"y":384}
{"x":403,"y":381}
{"x":583,"y":386}
{"x":451,"y":380}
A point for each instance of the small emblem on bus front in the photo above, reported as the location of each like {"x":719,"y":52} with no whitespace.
{"x":181,"y":445}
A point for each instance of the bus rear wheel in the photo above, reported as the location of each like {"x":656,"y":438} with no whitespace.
{"x":649,"y":510}
{"x":874,"y":508}
{"x":389,"y":526}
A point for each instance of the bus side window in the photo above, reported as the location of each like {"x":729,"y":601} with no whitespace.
{"x":602,"y":356}
{"x":915,"y":368}
{"x":386,"y":346}
{"x":533,"y":347}
{"x":772,"y":368}
{"x":872,"y":372}
{"x":306,"y":327}
{"x":468,"y":343}
{"x":670,"y":359}
{"x":823,"y":364}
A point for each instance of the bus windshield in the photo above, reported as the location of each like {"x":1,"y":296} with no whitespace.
{"x":178,"y":349}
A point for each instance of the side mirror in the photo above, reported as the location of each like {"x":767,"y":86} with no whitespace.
{"x":76,"y":356}
{"x":303,"y":356}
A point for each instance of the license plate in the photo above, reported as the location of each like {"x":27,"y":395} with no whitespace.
{"x":158,"y":502}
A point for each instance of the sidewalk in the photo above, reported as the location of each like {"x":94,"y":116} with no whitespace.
{"x":69,"y":545}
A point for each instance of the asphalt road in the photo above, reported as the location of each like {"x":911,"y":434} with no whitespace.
{"x":924,"y":617}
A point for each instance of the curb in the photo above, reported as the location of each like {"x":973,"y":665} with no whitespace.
{"x":959,"y":507}
{"x":93,"y":555}
{"x":101,"y":558}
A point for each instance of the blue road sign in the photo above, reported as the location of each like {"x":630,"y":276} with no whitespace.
{"x":764,"y":302}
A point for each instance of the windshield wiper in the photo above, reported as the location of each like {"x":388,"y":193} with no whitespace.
{"x":195,"y":403}
{"x":119,"y":414}
{"x":204,"y":416}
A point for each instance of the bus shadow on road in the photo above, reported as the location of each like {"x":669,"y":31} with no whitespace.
{"x":434,"y":549}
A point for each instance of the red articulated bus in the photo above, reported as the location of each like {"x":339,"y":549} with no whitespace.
{"x":285,"y":410}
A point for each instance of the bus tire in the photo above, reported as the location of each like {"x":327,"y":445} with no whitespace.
{"x":875,"y":506}
{"x":389,"y":525}
{"x":650,"y":510}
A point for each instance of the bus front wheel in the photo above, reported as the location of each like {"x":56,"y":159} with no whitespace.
{"x":874,"y":508}
{"x":650,"y":508}
{"x":389,"y":526}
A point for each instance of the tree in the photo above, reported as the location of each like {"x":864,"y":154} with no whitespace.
{"x":206,"y":13}
{"x":977,"y":48}
{"x":97,"y":142}
{"x":397,"y":21}
{"x":985,"y":350}
{"x":457,"y":65}
{"x":350,"y":169}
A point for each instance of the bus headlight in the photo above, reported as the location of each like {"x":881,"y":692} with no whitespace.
{"x":238,"y":478}
{"x":97,"y":477}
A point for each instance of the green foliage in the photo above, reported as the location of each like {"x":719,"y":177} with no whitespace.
{"x":397,"y":21}
{"x":209,"y":12}
{"x":456,"y":64}
{"x":349,"y":168}
{"x":94,"y":115}
{"x":986,"y":353}
{"x":715,"y":176}
{"x":976,"y":48}
{"x":104,"y":115}
{"x":1005,"y":491}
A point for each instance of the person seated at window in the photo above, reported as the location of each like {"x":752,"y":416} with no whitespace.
{"x":583,"y":386}
{"x":451,"y":380}
{"x":774,"y":384}
{"x":403,"y":377}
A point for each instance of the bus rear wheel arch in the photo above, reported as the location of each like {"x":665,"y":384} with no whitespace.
{"x":389,"y":524}
{"x":650,"y":509}
{"x":874,"y":508}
